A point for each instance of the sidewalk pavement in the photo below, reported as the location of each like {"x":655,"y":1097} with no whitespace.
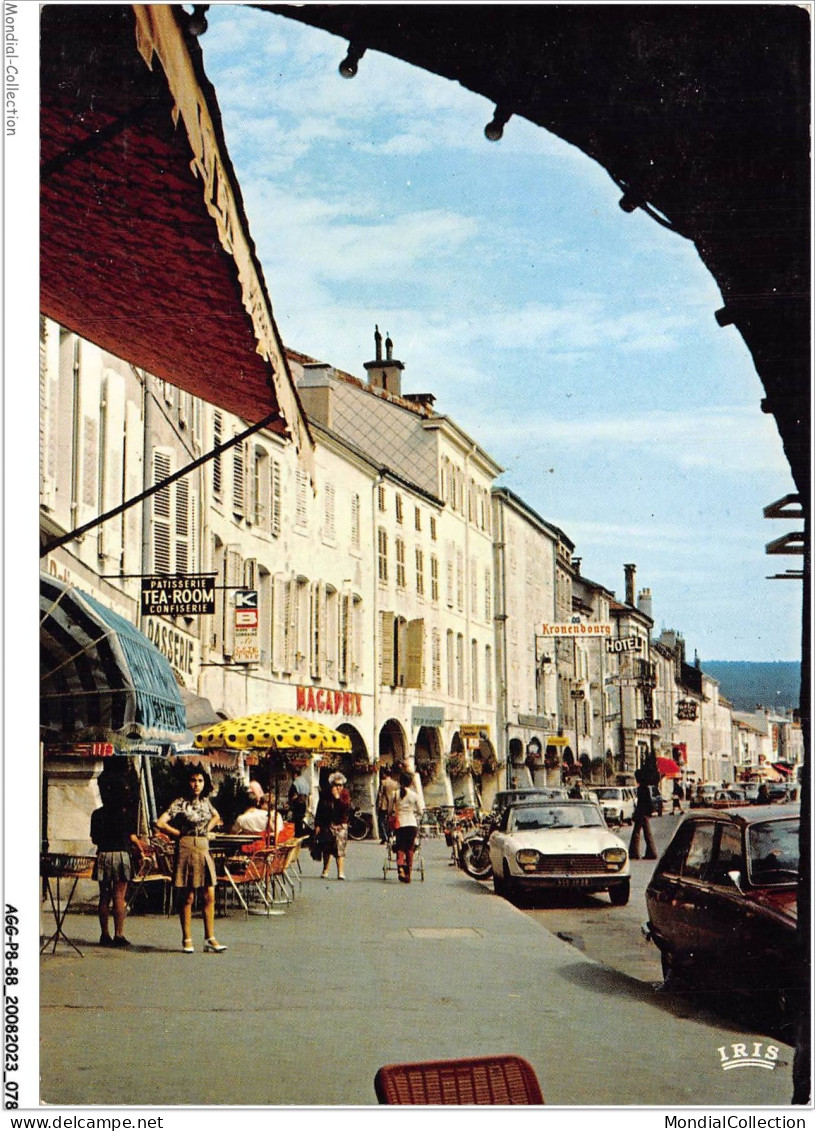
{"x":304,"y":1007}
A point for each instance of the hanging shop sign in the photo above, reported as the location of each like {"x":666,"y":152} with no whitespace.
{"x":475,"y":730}
{"x":427,"y":716}
{"x":180,"y":648}
{"x":649,"y":724}
{"x":246,"y":648}
{"x":628,"y":644}
{"x":322,"y":700}
{"x":557,"y":740}
{"x":686,"y":710}
{"x":600,"y":628}
{"x":179,"y":596}
{"x":80,"y":749}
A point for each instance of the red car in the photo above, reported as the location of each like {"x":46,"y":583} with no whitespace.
{"x":722,"y":902}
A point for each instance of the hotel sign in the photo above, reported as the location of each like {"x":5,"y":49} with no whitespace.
{"x":629,"y":644}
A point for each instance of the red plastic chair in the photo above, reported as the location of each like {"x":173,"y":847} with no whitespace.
{"x":474,"y":1080}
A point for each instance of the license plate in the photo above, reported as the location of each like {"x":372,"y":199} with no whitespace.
{"x":577,"y":882}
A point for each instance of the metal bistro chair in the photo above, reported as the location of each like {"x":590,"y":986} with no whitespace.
{"x":244,"y":876}
{"x":154,"y":868}
{"x":473,"y":1080}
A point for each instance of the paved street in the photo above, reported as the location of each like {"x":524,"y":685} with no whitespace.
{"x":303,"y":1008}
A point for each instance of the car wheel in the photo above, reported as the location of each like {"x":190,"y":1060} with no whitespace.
{"x":620,"y":894}
{"x":508,"y":884}
{"x":671,"y":970}
{"x":498,"y":883}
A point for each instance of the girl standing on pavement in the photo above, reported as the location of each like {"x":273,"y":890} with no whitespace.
{"x":188,"y":821}
{"x":406,"y":810}
{"x":113,"y":831}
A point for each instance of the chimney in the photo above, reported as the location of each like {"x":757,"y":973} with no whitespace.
{"x":384,"y":374}
{"x":630,"y":586}
{"x":314,"y":390}
{"x":576,"y":566}
{"x":644,"y":603}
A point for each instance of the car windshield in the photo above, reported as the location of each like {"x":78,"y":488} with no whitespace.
{"x":554,"y":817}
{"x":608,"y":794}
{"x":773,"y":852}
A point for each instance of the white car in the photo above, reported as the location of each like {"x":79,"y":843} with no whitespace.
{"x":558,"y":844}
{"x":616,"y":802}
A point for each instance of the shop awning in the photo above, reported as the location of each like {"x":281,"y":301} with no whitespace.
{"x":668,"y":768}
{"x":145,"y":245}
{"x":100,"y":678}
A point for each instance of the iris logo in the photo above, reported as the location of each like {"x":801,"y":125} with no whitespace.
{"x":756,"y":1055}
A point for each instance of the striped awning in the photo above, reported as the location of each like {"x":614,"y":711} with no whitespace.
{"x":100,"y":678}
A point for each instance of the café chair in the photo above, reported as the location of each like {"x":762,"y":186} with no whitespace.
{"x":153,"y":869}
{"x":502,"y":1079}
{"x":244,"y":876}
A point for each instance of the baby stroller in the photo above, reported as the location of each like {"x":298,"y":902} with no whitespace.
{"x":390,"y":864}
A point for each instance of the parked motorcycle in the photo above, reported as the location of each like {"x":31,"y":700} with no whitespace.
{"x":474,"y":854}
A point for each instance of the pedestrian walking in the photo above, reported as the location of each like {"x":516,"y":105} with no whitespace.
{"x":331,"y":824}
{"x":677,"y":797}
{"x":188,"y":821}
{"x":406,"y":811}
{"x":113,"y":831}
{"x":299,"y":796}
{"x":388,"y":786}
{"x":643,"y":811}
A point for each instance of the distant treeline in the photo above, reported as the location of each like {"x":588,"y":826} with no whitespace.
{"x":749,"y":685}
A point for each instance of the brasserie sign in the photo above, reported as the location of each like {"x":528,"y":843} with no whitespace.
{"x":179,"y":596}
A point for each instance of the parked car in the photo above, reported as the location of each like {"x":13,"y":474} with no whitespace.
{"x":778,"y":791}
{"x":722,"y":904}
{"x":657,"y":801}
{"x":703,"y":796}
{"x":728,"y":798}
{"x":558,"y":844}
{"x":616,"y":803}
{"x":750,"y":790}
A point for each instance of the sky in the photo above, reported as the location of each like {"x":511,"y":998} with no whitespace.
{"x":574,"y":342}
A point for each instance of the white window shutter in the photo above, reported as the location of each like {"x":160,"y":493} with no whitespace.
{"x":239,"y":480}
{"x":233,"y":579}
{"x":280,"y":589}
{"x":291,"y":624}
{"x":414,"y":675}
{"x":250,"y":573}
{"x":162,"y":514}
{"x":183,"y":558}
{"x":386,"y":634}
{"x":217,"y":461}
{"x":322,"y":625}
{"x":277,"y":497}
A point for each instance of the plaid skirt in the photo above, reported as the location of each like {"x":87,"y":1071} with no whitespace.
{"x":194,"y":867}
{"x":113,"y":867}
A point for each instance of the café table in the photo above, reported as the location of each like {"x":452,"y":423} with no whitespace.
{"x":56,"y":867}
{"x":241,"y":869}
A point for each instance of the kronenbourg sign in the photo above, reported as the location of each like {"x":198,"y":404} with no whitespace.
{"x":579,"y":629}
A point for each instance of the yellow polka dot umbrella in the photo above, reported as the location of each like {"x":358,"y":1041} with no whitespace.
{"x":272,"y":731}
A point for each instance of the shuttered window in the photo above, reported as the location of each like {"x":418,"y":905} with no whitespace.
{"x":183,"y":556}
{"x":434,"y":578}
{"x":301,"y":502}
{"x":414,"y":668}
{"x":277,"y":497}
{"x":233,"y":580}
{"x":419,"y":571}
{"x":355,"y":531}
{"x":436,"y":660}
{"x":474,"y":671}
{"x":488,"y":595}
{"x":329,"y":517}
{"x":488,"y":674}
{"x":238,"y":481}
{"x":382,"y":554}
{"x":400,"y":563}
{"x":387,"y":622}
{"x":162,"y":514}
{"x":217,"y":440}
